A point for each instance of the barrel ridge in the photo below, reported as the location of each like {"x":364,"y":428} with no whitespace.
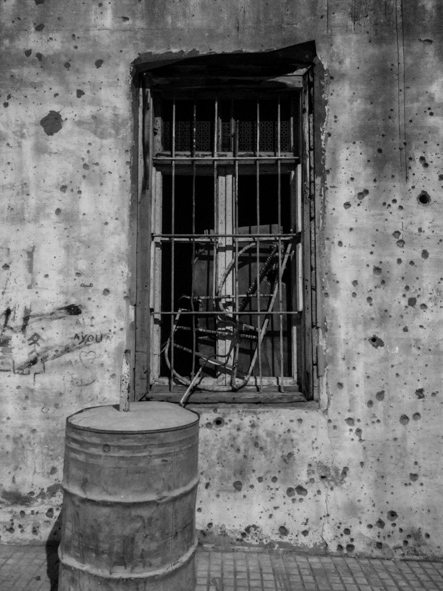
{"x":178,"y":492}
{"x":123,"y":574}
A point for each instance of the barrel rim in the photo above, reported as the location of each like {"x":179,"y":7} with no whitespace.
{"x":135,"y":432}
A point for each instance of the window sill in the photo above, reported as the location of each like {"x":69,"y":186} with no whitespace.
{"x":268,"y":396}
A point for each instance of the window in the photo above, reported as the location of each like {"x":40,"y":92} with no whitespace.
{"x":228,"y":241}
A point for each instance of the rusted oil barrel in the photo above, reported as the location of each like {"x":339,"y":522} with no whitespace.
{"x":130,"y":484}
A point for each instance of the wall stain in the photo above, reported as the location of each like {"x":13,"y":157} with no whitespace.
{"x":52,"y":123}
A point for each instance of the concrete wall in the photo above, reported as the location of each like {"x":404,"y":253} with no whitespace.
{"x":359,"y":472}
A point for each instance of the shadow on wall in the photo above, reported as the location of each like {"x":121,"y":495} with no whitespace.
{"x":52,"y":561}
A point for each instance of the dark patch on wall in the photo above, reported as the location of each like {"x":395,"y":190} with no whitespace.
{"x":98,"y":63}
{"x":5,"y":353}
{"x":72,"y":310}
{"x":16,"y":498}
{"x":40,"y":27}
{"x":79,"y":93}
{"x":52,"y":123}
{"x":376,"y":341}
{"x":420,"y":393}
{"x":28,"y":52}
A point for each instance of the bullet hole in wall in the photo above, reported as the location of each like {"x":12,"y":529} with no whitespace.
{"x":380,"y":395}
{"x":350,"y":548}
{"x":376,"y":341}
{"x":424,"y":198}
{"x":79,"y":93}
{"x":404,"y":419}
{"x":219,"y":422}
{"x":424,"y":254}
{"x":52,"y":123}
{"x":238,"y":485}
{"x":283,"y":531}
{"x":420,"y":393}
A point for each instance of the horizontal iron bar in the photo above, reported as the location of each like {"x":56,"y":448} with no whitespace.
{"x":227,"y":313}
{"x":199,"y":237}
{"x":224,"y":159}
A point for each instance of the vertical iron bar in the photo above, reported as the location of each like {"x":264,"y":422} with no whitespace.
{"x":216,"y":232}
{"x":194,"y":336}
{"x":214,"y":153}
{"x":194,"y":128}
{"x":234,"y":230}
{"x":171,"y":380}
{"x":280,"y":295}
{"x":257,"y":182}
{"x":194,"y":144}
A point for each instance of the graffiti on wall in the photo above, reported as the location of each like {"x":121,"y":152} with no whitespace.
{"x":26,"y":343}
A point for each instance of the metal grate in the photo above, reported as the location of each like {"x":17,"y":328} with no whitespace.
{"x":240,"y":124}
{"x":226,"y":296}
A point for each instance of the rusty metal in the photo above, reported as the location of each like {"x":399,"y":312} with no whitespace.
{"x":129,"y":499}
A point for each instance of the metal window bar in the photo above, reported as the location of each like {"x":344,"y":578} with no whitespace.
{"x":230,"y":241}
{"x":171,"y":375}
{"x":279,"y":215}
{"x":257,"y":183}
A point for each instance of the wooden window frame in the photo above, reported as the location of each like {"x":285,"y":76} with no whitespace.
{"x":149,"y":183}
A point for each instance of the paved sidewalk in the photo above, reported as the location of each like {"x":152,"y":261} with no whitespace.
{"x":35,"y":568}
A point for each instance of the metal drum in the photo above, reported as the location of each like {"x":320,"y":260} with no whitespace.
{"x":130,"y":484}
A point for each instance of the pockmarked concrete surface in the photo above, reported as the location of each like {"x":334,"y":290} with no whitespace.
{"x":359,"y":470}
